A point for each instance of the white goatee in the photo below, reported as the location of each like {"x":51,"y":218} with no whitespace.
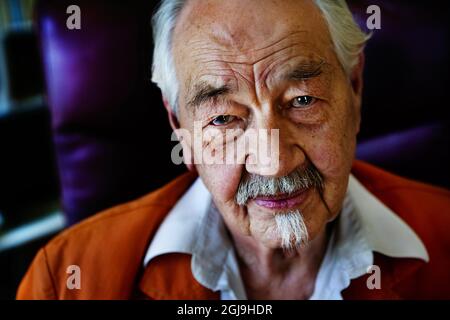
{"x":292,"y":229}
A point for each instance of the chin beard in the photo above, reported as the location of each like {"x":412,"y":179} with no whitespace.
{"x":291,"y":229}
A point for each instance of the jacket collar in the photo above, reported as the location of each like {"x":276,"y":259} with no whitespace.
{"x":169,"y":277}
{"x":385,"y":231}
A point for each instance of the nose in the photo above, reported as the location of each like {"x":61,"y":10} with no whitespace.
{"x":277,"y":151}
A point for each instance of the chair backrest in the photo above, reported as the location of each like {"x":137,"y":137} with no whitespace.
{"x":111,"y":134}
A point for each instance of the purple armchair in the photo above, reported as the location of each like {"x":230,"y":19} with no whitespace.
{"x":106,"y":114}
{"x":104,"y":108}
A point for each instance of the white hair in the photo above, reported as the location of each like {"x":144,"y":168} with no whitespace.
{"x":348,"y":40}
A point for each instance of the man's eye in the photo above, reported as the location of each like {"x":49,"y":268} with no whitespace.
{"x":302,"y":101}
{"x":222,"y":120}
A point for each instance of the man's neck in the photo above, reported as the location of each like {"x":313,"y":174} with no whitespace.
{"x":276,"y":274}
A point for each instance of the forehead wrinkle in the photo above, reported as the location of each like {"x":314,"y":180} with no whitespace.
{"x":293,"y":34}
{"x":250,"y":56}
{"x":204,"y":74}
{"x":202,"y":28}
{"x":208,"y":50}
{"x":215,"y":55}
{"x":262,"y":70}
{"x":237,"y":70}
{"x":245,"y":53}
{"x":216,"y":77}
{"x":224,"y":71}
{"x":219,"y":72}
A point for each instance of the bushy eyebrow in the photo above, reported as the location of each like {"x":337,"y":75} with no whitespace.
{"x":304,"y":71}
{"x":203,"y":92}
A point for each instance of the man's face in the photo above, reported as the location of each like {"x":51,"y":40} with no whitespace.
{"x":261,"y":64}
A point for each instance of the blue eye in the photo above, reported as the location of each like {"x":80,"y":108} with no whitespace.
{"x":302,"y":101}
{"x":222,"y":120}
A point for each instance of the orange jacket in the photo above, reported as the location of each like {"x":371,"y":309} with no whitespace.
{"x":109,"y":249}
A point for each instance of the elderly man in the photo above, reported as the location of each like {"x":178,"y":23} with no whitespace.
{"x":311,"y":224}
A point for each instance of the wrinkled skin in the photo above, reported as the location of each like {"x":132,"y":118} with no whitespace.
{"x":251,"y":46}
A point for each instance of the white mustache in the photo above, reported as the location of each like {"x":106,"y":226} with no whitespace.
{"x":252,"y":186}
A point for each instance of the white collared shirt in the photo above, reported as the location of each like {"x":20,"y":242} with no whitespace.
{"x":365,"y":225}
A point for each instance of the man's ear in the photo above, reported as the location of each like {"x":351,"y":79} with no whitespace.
{"x":356,"y":77}
{"x":174,"y":123}
{"x":173,"y":120}
{"x":357,"y":83}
